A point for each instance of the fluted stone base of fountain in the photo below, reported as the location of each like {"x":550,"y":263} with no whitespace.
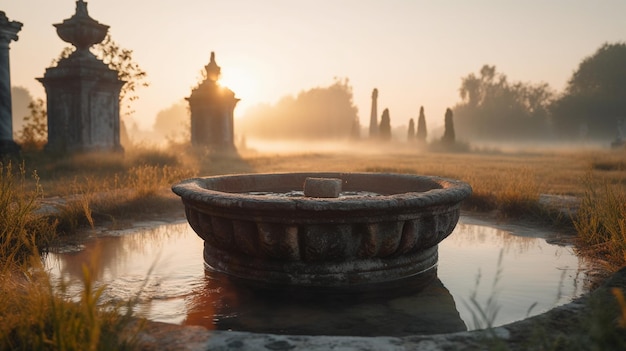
{"x":253,"y":232}
{"x":340,"y":274}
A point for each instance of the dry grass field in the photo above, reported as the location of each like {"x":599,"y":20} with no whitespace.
{"x":553,"y":172}
{"x":560,"y":172}
{"x":111,"y":190}
{"x":507,"y":184}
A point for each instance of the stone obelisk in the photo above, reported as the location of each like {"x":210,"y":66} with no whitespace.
{"x":374,"y":115}
{"x":8,"y":33}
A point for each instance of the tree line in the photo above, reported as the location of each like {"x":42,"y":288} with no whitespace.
{"x":593,"y":105}
{"x":317,"y":113}
{"x":492,"y":108}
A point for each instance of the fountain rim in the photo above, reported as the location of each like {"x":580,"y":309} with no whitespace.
{"x":198,"y":190}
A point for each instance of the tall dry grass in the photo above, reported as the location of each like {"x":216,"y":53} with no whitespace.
{"x":511,"y":193}
{"x":94,"y":188}
{"x":601,"y":221}
{"x":22,"y":230}
{"x":34,"y":314}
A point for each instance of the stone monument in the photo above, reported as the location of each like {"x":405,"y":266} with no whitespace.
{"x":411,"y":133}
{"x":212,"y":108}
{"x":384,"y":128}
{"x":82,"y":91}
{"x":448,"y":134}
{"x":256,"y":228}
{"x":8,"y":33}
{"x":374,"y":115}
{"x":421,"y":127}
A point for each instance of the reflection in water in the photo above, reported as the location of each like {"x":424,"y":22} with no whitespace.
{"x":161,"y":265}
{"x":164,"y":267}
{"x":430,"y":309}
{"x":534,"y":273}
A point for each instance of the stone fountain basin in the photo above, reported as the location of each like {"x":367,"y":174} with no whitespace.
{"x":322,"y":242}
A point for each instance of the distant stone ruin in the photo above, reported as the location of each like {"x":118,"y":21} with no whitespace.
{"x":411,"y":132}
{"x":8,"y":33}
{"x":421,"y":127}
{"x":82,"y":92}
{"x":374,"y":115}
{"x":384,"y":129}
{"x":212,"y":107}
{"x":448,"y":134}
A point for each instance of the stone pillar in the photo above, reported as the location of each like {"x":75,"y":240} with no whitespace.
{"x":212,"y":107}
{"x":82,"y":92}
{"x":448,"y":134}
{"x":8,"y":33}
{"x":374,"y":115}
{"x":421,"y":127}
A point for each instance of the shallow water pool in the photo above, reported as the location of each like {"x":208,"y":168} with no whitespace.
{"x":509,"y":272}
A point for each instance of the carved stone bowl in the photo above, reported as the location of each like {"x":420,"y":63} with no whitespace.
{"x":251,"y":230}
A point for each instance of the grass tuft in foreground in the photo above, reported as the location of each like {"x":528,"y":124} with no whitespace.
{"x":601,"y":221}
{"x":37,"y":316}
{"x":34,"y":314}
{"x":22,"y":229}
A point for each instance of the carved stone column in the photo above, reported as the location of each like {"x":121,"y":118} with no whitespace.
{"x":8,"y":33}
{"x":82,"y":92}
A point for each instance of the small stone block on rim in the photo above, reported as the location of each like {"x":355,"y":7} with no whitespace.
{"x":322,"y":187}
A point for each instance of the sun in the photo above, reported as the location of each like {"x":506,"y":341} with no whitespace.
{"x":243,"y":84}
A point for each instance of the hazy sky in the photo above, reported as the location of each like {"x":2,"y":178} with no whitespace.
{"x":415,"y":52}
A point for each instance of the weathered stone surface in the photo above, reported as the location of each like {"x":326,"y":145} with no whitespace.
{"x":322,"y":187}
{"x":563,"y":204}
{"x":8,"y":33}
{"x":82,"y":92}
{"x":322,"y":242}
